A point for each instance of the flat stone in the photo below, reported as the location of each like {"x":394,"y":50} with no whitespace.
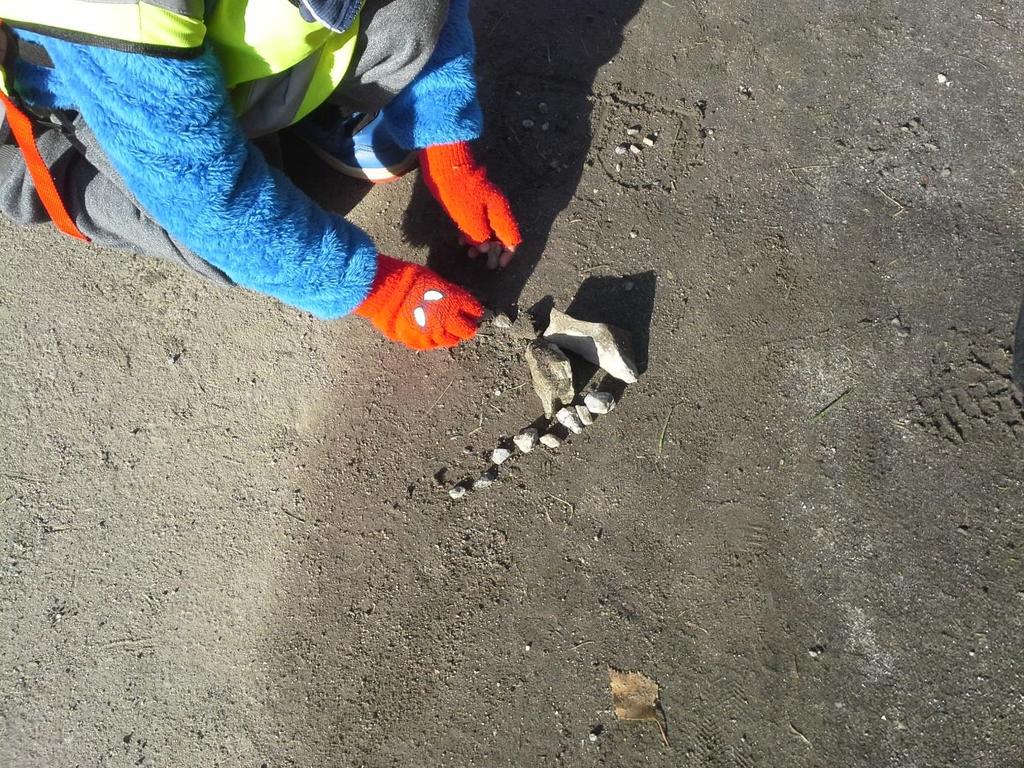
{"x":523,"y":328}
{"x":599,"y":403}
{"x":526,"y":440}
{"x":551,"y":374}
{"x":457,"y":492}
{"x":501,"y":320}
{"x":585,"y":416}
{"x":550,"y":440}
{"x":500,"y":455}
{"x":605,"y":345}
{"x":567,"y":418}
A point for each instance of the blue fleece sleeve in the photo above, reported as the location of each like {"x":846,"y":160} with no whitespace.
{"x":169,"y":130}
{"x":440,"y":105}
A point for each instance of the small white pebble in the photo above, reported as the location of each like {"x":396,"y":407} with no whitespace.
{"x":568,"y":419}
{"x":585,"y":416}
{"x":941,"y":79}
{"x":622,"y":149}
{"x":484,"y":481}
{"x":500,"y":455}
{"x":635,"y":149}
{"x":550,"y":440}
{"x":649,"y":140}
{"x":593,"y":738}
{"x":502,"y":320}
{"x":526,"y":440}
{"x":457,"y":492}
{"x":599,"y":403}
{"x":632,"y":235}
{"x":633,"y":131}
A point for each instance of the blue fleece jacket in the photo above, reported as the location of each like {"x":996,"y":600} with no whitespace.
{"x":169,"y":130}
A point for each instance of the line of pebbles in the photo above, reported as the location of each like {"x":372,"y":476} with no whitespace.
{"x":607,"y":346}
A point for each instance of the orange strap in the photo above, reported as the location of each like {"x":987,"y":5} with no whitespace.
{"x":21,"y":128}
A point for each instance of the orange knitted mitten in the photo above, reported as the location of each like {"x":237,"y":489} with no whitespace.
{"x":479,"y":209}
{"x":415,"y":306}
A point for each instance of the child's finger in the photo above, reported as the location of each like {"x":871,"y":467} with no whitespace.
{"x":463,"y":326}
{"x":442,"y":338}
{"x":494,"y":256}
{"x":472,"y":222}
{"x":502,"y":221}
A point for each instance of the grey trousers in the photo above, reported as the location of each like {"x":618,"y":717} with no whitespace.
{"x":396,"y":39}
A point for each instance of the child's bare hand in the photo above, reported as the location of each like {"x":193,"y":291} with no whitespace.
{"x":498,"y":256}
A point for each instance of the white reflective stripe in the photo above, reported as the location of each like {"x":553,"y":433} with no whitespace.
{"x":421,"y":317}
{"x":433,"y":296}
{"x":194,"y":9}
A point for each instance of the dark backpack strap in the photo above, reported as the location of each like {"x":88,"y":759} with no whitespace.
{"x":32,"y":53}
{"x":14,"y":51}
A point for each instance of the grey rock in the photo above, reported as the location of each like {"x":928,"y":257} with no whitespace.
{"x":457,"y":492}
{"x":551,"y":374}
{"x":567,"y":418}
{"x":501,"y":320}
{"x":523,"y":328}
{"x":550,"y":440}
{"x":500,"y":455}
{"x":526,"y":440}
{"x":605,"y":345}
{"x":585,"y":416}
{"x":487,"y":479}
{"x":599,"y":403}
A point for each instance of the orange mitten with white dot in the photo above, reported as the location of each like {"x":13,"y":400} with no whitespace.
{"x":417,"y":307}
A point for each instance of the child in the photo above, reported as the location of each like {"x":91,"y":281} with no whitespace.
{"x":131,"y":124}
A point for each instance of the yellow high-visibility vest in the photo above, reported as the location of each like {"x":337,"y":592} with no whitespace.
{"x":278,"y":66}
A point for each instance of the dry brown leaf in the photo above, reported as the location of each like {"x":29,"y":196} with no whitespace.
{"x":635,"y":697}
